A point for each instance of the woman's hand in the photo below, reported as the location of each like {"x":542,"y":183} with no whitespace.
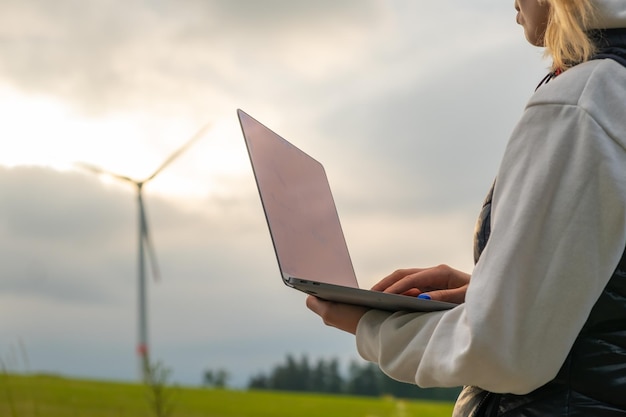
{"x":440,"y":283}
{"x":342,"y":316}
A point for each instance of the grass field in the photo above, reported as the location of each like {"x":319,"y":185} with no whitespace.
{"x":52,"y":396}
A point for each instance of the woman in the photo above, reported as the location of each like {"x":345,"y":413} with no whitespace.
{"x":541,"y":328}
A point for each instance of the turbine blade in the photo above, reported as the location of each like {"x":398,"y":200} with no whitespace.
{"x":182,"y":149}
{"x":149,"y":246}
{"x":99,"y":171}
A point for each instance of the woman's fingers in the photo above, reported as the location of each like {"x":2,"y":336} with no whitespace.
{"x":441,"y":283}
{"x":391,"y":279}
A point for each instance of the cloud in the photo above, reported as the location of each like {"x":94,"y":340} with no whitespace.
{"x":47,"y":220}
{"x":105,"y":56}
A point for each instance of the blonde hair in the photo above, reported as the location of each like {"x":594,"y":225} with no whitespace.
{"x":567,"y":39}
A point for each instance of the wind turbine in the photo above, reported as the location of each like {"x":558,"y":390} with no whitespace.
{"x":145,"y":244}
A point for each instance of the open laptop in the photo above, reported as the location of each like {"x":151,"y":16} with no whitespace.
{"x":304,"y":226}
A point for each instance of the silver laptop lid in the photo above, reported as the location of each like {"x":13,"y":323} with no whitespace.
{"x":299,"y":208}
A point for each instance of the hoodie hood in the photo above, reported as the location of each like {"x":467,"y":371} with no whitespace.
{"x":611,"y":14}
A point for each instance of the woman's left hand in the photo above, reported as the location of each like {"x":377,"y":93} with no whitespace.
{"x":342,"y":316}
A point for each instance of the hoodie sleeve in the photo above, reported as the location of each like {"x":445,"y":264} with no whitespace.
{"x":558,"y":232}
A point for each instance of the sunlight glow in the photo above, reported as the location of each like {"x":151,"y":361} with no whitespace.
{"x":42,"y":131}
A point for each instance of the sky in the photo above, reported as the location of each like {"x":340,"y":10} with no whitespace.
{"x":408,"y":104}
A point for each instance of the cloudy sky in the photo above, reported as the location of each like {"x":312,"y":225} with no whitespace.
{"x":408,"y":104}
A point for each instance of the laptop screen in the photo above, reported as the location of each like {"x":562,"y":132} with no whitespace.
{"x":299,"y":208}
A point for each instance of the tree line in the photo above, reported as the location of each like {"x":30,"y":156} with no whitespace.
{"x":325,"y":376}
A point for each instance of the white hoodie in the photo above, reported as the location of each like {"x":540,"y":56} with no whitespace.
{"x":558,"y":230}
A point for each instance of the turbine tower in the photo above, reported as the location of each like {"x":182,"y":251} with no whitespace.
{"x":145,"y":244}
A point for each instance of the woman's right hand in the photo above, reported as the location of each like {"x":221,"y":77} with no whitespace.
{"x":441,"y":283}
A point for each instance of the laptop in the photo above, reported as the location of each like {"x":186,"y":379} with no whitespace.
{"x":304,"y":225}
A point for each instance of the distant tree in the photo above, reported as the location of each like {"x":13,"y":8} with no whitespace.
{"x":364,"y":380}
{"x":283,"y":376}
{"x":291,"y":376}
{"x":325,"y":377}
{"x":302,"y":377}
{"x":259,"y":382}
{"x":216,"y":378}
{"x":334,"y":380}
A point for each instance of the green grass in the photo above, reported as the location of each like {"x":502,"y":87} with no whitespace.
{"x":52,"y":396}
